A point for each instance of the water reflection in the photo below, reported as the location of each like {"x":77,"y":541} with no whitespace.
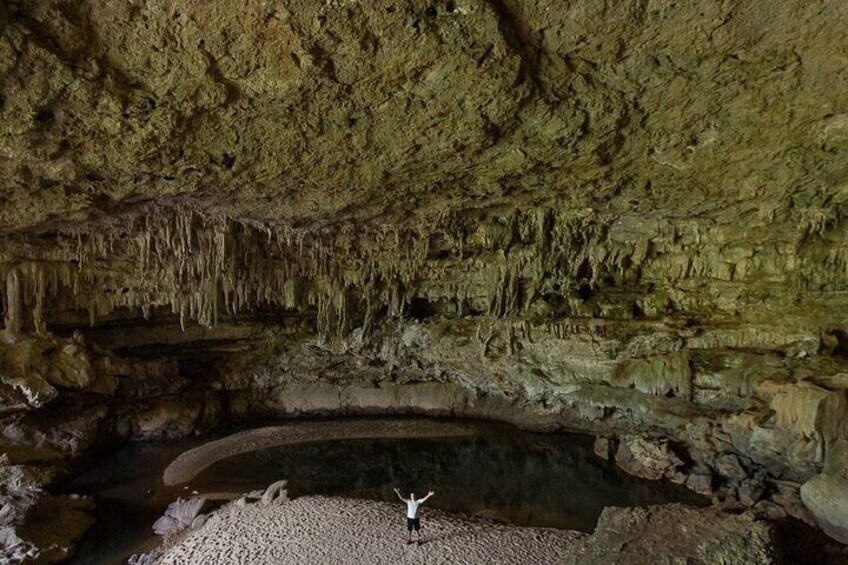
{"x":501,"y":473}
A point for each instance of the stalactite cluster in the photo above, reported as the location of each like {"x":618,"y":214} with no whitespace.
{"x":498,"y":264}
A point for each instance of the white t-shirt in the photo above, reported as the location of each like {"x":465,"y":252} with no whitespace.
{"x":412,"y":508}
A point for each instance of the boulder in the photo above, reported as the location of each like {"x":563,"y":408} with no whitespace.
{"x":180,"y":515}
{"x":728,"y":466}
{"x":674,"y":533}
{"x":173,"y":417}
{"x":750,"y":491}
{"x":70,"y":368}
{"x":646,"y":458}
{"x":826,"y":494}
{"x":604,"y":447}
{"x":28,"y":390}
{"x":701,"y":483}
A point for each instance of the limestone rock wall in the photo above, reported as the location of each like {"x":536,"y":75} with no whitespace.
{"x":784,"y":418}
{"x":300,"y":111}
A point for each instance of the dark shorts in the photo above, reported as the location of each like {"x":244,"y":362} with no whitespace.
{"x":413,"y":523}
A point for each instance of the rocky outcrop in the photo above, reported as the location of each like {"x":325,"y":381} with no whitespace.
{"x":562,"y":375}
{"x":674,"y":534}
{"x":826,"y":495}
{"x":647,"y":459}
{"x":43,"y":435}
{"x":180,"y":515}
{"x":64,"y":396}
{"x":35,"y":525}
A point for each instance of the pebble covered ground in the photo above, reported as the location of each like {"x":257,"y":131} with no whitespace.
{"x":324,"y":530}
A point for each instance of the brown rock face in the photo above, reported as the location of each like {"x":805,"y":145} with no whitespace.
{"x":622,"y":217}
{"x":673,"y":533}
{"x":302,"y":111}
{"x":826,"y":495}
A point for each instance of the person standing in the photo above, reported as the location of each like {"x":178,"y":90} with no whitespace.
{"x":412,"y":520}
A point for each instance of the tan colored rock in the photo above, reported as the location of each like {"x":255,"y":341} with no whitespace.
{"x":173,"y":417}
{"x":646,"y":458}
{"x":826,"y":494}
{"x":728,"y":466}
{"x":810,"y":411}
{"x":603,"y":448}
{"x":659,"y":375}
{"x":36,"y":391}
{"x":674,"y":533}
{"x":701,"y":483}
{"x":70,"y":368}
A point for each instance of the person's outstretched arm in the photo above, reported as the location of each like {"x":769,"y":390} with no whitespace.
{"x":397,"y":492}
{"x":429,"y":494}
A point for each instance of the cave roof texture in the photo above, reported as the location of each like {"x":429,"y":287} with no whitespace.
{"x":608,"y":137}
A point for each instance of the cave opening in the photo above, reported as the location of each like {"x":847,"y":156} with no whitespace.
{"x":225,"y":227}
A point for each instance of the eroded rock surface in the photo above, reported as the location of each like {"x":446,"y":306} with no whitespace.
{"x":677,"y":534}
{"x":36,"y":526}
{"x":826,"y":495}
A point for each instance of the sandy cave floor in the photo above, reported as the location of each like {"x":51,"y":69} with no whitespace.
{"x":324,"y":530}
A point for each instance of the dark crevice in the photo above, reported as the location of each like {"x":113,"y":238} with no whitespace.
{"x":518,"y":37}
{"x":324,"y":62}
{"x":213,"y":70}
{"x":840,"y":337}
{"x":420,"y":309}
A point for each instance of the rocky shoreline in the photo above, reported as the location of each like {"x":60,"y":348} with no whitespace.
{"x":664,"y":438}
{"x":268,"y":528}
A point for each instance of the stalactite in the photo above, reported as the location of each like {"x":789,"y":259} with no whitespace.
{"x":206,"y":268}
{"x":14,"y":320}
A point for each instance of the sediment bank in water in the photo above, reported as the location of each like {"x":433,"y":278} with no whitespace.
{"x":192,"y":462}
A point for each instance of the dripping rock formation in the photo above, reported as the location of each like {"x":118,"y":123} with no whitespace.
{"x":626,"y":218}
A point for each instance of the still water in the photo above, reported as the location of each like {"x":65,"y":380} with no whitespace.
{"x":501,"y":473}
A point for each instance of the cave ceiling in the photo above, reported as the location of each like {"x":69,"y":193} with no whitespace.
{"x":603,"y":135}
{"x":304,"y":112}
